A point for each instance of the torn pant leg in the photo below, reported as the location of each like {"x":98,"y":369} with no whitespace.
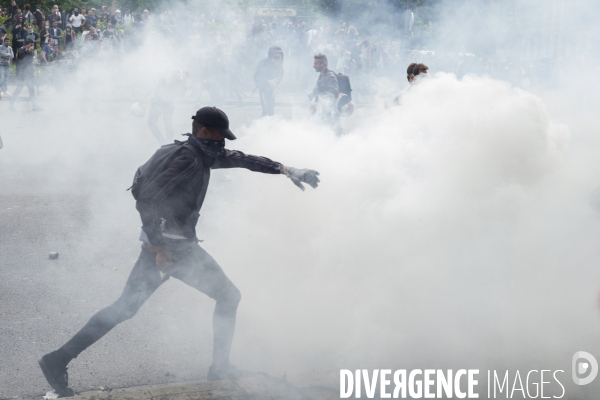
{"x":142,"y":282}
{"x":198,"y":269}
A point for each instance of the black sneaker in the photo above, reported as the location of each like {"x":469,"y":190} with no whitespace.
{"x":56,"y":374}
{"x":227,"y":372}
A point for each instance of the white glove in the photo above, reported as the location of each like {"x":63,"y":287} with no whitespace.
{"x":302,"y":175}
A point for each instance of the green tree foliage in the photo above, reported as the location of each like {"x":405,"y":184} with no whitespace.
{"x":134,"y":5}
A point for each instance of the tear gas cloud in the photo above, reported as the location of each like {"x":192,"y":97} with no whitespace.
{"x":454,"y":230}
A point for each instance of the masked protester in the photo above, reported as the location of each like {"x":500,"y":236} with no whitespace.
{"x":69,"y":38}
{"x":25,"y":74}
{"x":77,"y":20}
{"x":32,"y":35}
{"x":40,"y":17}
{"x":326,"y":94}
{"x":267,"y":77}
{"x":170,"y":189}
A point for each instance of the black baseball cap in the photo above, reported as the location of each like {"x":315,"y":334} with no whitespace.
{"x":216,"y":118}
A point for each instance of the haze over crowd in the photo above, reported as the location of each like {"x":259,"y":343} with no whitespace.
{"x":457,"y":228}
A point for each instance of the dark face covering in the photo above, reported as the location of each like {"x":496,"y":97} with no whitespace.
{"x":216,"y":145}
{"x":212,"y":148}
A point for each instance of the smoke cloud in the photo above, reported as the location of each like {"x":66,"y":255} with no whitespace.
{"x":457,"y":229}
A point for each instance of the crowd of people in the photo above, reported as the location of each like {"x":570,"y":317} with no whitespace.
{"x":226,"y":53}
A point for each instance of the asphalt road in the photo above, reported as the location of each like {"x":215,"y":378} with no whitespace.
{"x":63,"y":175}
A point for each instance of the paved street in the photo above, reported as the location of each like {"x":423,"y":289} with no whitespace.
{"x":49,"y":202}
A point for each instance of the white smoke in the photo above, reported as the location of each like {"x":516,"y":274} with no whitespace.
{"x":447,"y":230}
{"x":453,"y":230}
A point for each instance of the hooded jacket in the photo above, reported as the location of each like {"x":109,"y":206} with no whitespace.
{"x":170,"y":204}
{"x":267,"y":70}
{"x":73,"y":36}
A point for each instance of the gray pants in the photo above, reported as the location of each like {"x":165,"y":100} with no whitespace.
{"x":194,"y":267}
{"x":267,"y":101}
{"x":20,"y":85}
{"x":4,"y":72}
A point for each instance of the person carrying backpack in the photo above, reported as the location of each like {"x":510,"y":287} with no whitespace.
{"x":170,"y":189}
{"x":327,"y":95}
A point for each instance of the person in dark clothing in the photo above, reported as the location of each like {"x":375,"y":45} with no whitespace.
{"x":18,"y":35}
{"x":12,"y":10}
{"x":40,"y":17}
{"x":169,"y":203}
{"x":267,"y":77}
{"x":25,"y":74}
{"x":69,"y":38}
{"x":64,"y":19}
{"x":326,"y":95}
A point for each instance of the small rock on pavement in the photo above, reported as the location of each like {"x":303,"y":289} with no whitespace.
{"x":53,"y":255}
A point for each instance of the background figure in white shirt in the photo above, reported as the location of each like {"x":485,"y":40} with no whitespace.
{"x":346,"y":64}
{"x":128,"y":18}
{"x":76,"y":20}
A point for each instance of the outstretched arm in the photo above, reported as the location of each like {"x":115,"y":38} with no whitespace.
{"x":237,"y":159}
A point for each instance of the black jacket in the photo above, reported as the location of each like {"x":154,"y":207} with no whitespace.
{"x":267,"y":70}
{"x":18,"y":39}
{"x":24,"y":64}
{"x":177,"y":193}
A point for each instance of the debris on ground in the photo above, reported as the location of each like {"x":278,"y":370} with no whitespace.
{"x":51,"y":395}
